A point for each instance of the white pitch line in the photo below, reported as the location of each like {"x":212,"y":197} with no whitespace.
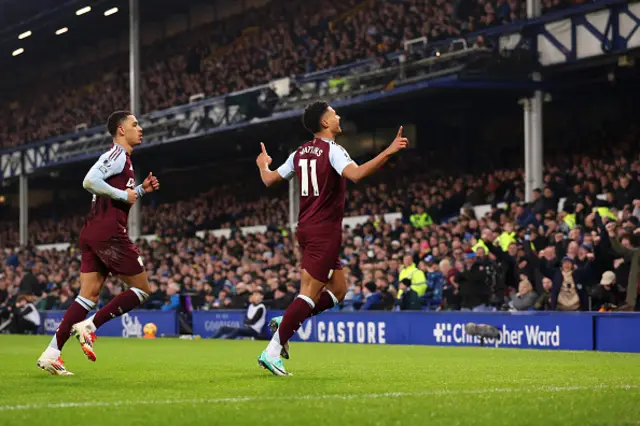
{"x":196,"y":401}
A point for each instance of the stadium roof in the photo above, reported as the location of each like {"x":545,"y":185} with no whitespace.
{"x":37,"y":22}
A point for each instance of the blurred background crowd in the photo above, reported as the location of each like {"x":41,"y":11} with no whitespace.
{"x":439,"y":253}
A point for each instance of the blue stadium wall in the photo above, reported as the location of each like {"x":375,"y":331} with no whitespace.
{"x":611,"y":332}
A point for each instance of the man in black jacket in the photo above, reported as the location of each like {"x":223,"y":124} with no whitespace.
{"x":282,"y":298}
{"x":473,"y":285}
{"x":409,"y":301}
{"x":241,"y":299}
{"x":509,"y":260}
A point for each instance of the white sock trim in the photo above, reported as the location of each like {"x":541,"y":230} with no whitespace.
{"x":308,"y":300}
{"x":141,"y":294}
{"x":85,"y":303}
{"x":333,"y":296}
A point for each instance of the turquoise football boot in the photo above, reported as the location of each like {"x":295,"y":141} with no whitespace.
{"x":274,"y":365}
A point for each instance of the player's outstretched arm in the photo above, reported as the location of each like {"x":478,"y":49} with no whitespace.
{"x":269,"y":177}
{"x":356,"y":173}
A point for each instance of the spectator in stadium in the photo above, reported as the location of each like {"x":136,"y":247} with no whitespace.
{"x":172,"y":303}
{"x":543,"y":302}
{"x":451,"y":291}
{"x":474,"y":290}
{"x":630,"y":255}
{"x":567,"y":290}
{"x":436,"y":281}
{"x":509,"y":259}
{"x":525,"y":299}
{"x":372,"y":298}
{"x":26,"y":318}
{"x":354,"y":298}
{"x":30,"y":284}
{"x":282,"y":298}
{"x":4,"y":294}
{"x":409,"y":301}
{"x":538,"y":204}
{"x":607,"y":296}
{"x":223,"y":301}
{"x":416,"y":276}
{"x":254,"y":321}
{"x":157,"y":297}
{"x":66,"y":299}
{"x":240,"y":300}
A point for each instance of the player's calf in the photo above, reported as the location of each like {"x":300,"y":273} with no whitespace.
{"x":121,"y":304}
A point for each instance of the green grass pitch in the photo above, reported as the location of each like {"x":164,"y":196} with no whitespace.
{"x":172,"y":382}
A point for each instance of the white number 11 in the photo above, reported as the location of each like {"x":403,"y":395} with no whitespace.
{"x":304,"y":181}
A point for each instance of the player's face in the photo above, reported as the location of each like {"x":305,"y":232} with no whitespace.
{"x":333,"y":121}
{"x":132,"y":131}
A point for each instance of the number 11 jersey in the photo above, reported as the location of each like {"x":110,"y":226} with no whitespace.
{"x":318,"y":165}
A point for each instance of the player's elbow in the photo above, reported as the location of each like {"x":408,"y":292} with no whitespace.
{"x":86,"y":183}
{"x":268,"y":182}
{"x":353,"y":173}
{"x":353,"y":177}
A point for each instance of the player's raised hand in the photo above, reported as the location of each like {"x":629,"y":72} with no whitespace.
{"x":132,"y":196}
{"x":263,"y":161}
{"x":150,"y":183}
{"x":399,"y":143}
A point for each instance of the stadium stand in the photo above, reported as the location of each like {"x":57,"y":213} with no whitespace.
{"x":306,"y":37}
{"x":222,"y":271}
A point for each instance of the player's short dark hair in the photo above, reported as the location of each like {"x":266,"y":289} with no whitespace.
{"x":313,"y":115}
{"x":115,"y":120}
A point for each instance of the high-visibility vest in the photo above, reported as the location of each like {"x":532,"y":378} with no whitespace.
{"x":570,"y":220}
{"x":606,"y":212}
{"x":505,"y":239}
{"x":480,"y":243}
{"x":417,"y":277}
{"x":420,"y":220}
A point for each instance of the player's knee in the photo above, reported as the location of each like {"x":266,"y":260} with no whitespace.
{"x":91,"y":293}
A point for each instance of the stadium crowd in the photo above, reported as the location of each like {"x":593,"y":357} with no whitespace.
{"x":240,"y":201}
{"x":538,"y":255}
{"x":244,"y":51}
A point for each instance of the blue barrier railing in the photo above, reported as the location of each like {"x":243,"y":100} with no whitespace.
{"x":128,"y":325}
{"x":585,"y":331}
